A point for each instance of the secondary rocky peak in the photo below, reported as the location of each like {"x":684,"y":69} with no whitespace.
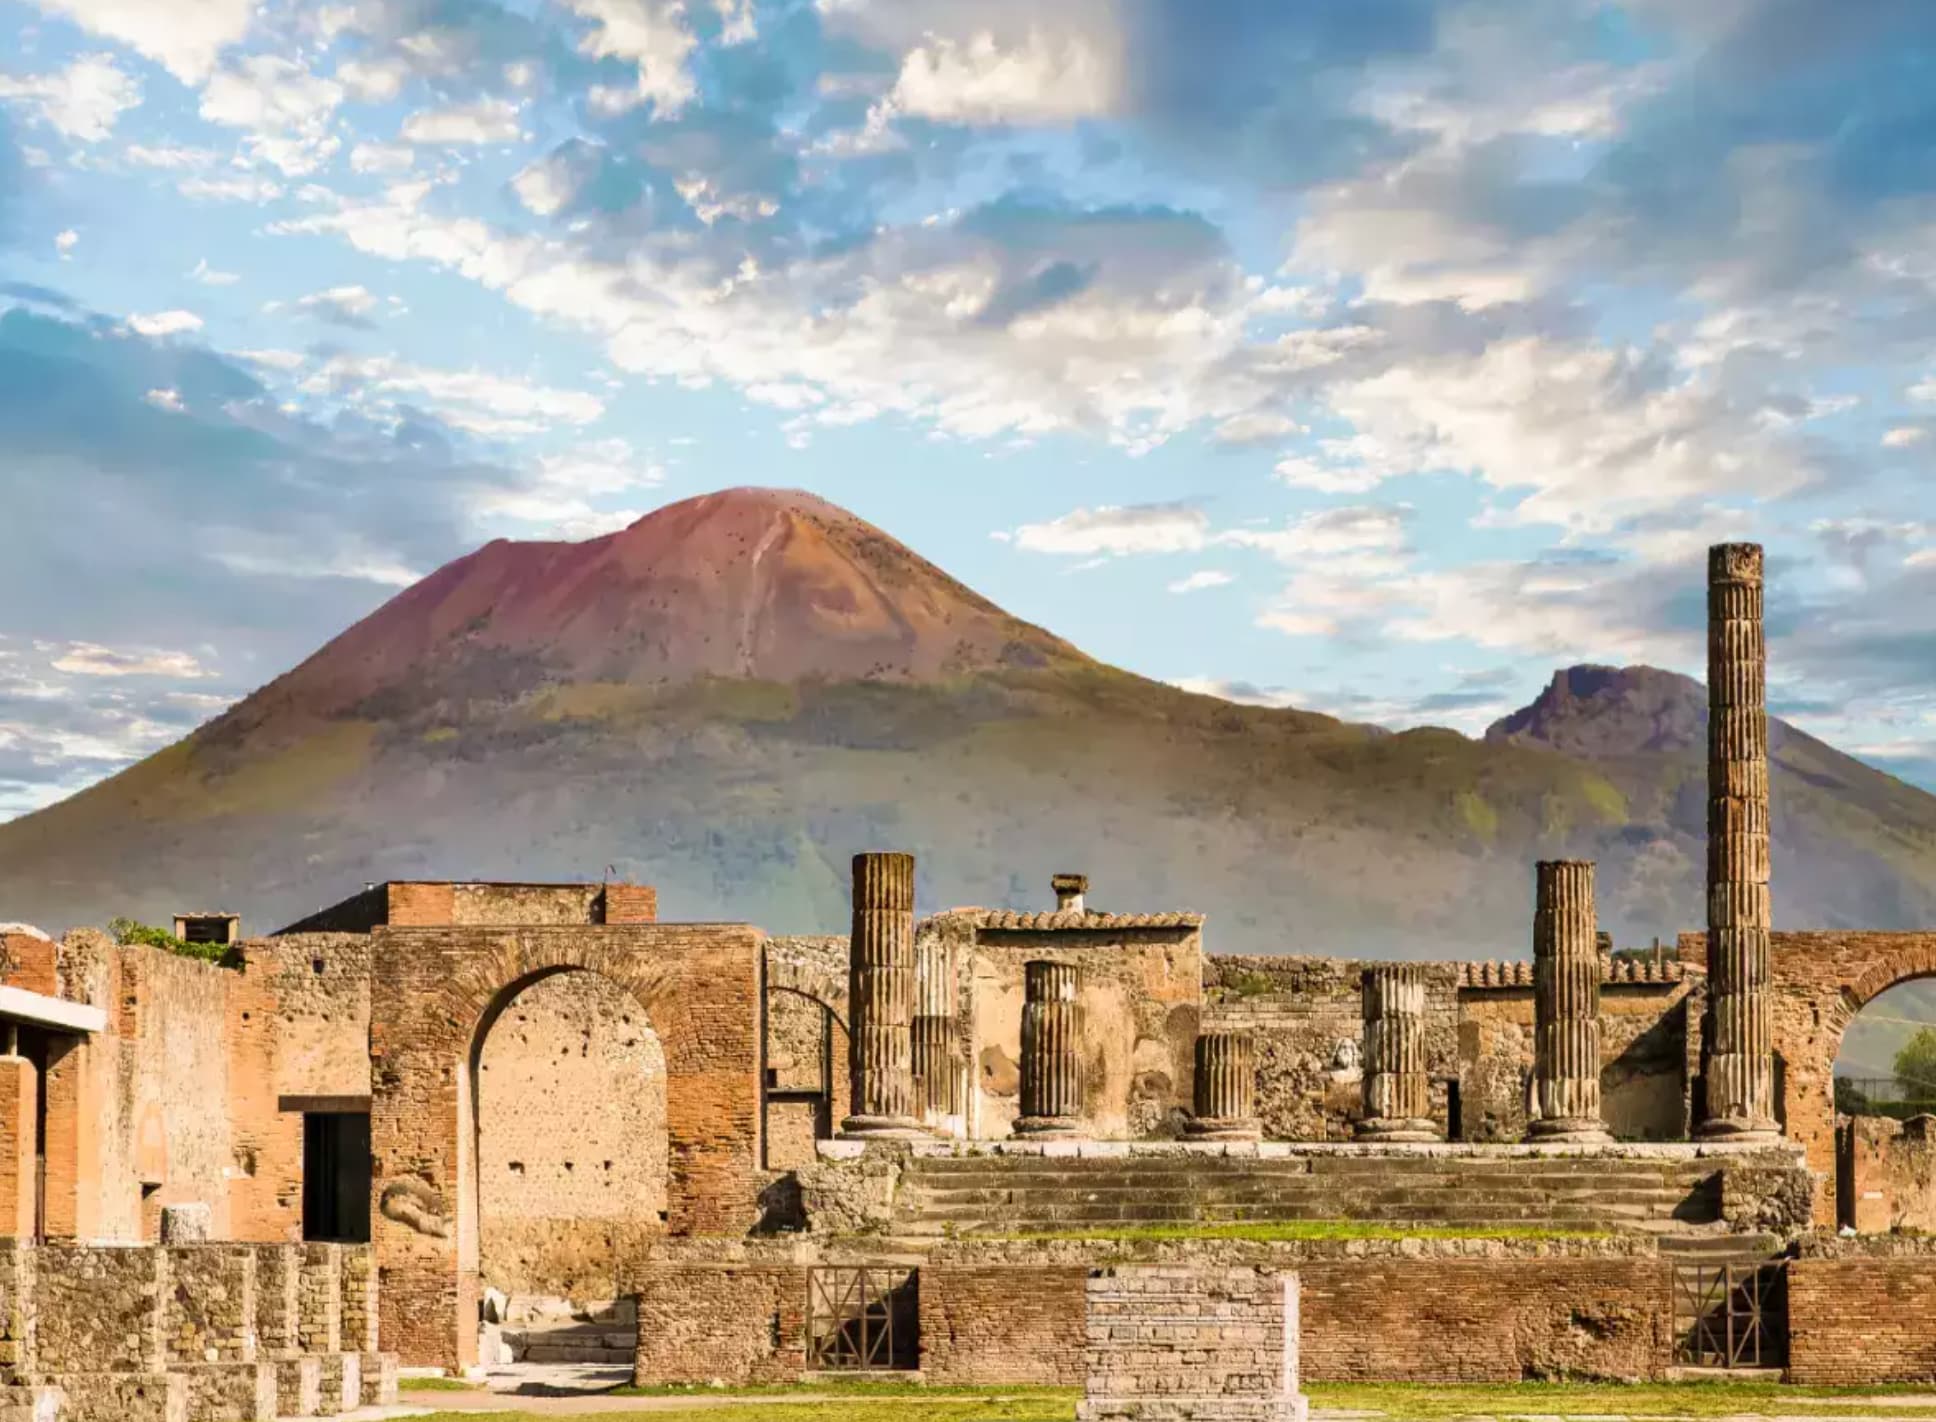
{"x":1600,"y":710}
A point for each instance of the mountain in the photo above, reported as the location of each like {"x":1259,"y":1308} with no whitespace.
{"x":731,"y":696}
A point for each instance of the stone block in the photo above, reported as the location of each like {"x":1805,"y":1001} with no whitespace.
{"x":342,"y":1383}
{"x":231,"y":1392}
{"x":30,"y":1403}
{"x":378,"y":1375}
{"x":187,"y":1224}
{"x":299,"y":1385}
{"x":122,"y":1397}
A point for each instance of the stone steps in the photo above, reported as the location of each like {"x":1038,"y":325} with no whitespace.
{"x":572,"y":1343}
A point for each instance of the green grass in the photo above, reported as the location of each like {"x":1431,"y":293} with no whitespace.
{"x":854,"y":1387}
{"x":434,"y":1385}
{"x":905,"y":1405}
{"x":1275,"y":1231}
{"x":1410,"y":1401}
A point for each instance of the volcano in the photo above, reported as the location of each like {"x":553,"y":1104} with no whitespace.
{"x":731,"y":696}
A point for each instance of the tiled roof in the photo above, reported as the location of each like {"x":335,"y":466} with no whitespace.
{"x":1519,"y":974}
{"x":1089,"y":920}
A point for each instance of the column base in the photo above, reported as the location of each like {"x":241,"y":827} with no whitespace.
{"x":1046,"y":1127}
{"x":1224,"y":1128}
{"x":1743,"y":1130}
{"x":1398,"y":1129}
{"x":882,"y":1128}
{"x":1570,"y":1130}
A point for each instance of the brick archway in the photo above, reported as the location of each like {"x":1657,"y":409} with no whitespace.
{"x":815,"y":983}
{"x":1820,"y":982}
{"x":434,"y":994}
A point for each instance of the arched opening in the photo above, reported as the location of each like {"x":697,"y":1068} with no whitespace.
{"x":568,"y":1165}
{"x":806,"y":1075}
{"x":1885,"y":1106}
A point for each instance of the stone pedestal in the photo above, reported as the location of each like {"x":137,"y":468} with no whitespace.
{"x":1566,"y":1006}
{"x":1737,"y":1040}
{"x":881,"y":1000}
{"x":1224,"y":1098}
{"x":1051,"y":1050}
{"x":1398,"y":1093}
{"x":1205,"y":1344}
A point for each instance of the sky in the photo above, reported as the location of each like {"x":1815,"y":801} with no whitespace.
{"x":1375,"y":358}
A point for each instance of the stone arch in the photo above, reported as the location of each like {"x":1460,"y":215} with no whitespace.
{"x":786,"y":972}
{"x":434,"y":994}
{"x":806,"y":1042}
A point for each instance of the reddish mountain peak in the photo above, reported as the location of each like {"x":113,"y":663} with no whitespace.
{"x":1600,"y":710}
{"x":773,"y":584}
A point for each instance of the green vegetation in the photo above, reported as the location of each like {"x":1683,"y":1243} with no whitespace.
{"x":1275,"y":1231}
{"x":1915,"y":1065}
{"x":126,"y":931}
{"x":1248,"y":984}
{"x":434,"y":1385}
{"x":1479,"y":817}
{"x":884,"y":1387}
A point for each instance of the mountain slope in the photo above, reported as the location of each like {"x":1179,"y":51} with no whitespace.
{"x":730,"y":697}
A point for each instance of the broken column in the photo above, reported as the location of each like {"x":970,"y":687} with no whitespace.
{"x":935,"y":1009}
{"x":1398,"y":1094}
{"x":1566,"y":1005}
{"x":880,"y":994}
{"x":1737,"y":1041}
{"x":1224,"y":1095}
{"x":1051,"y":1049}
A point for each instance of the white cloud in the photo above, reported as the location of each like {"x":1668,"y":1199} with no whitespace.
{"x":1924,"y":389}
{"x":274,"y":360}
{"x":183,"y":36}
{"x":90,"y":659}
{"x":1256,"y":427}
{"x":374,"y":81}
{"x":1045,"y":78}
{"x":1203,"y":578}
{"x":484,"y":121}
{"x":165,"y":323}
{"x":82,"y":101}
{"x":471,"y":400}
{"x":1903,"y":436}
{"x":166,"y":399}
{"x":237,"y":189}
{"x":208,"y":276}
{"x":1369,"y":529}
{"x":169,"y":155}
{"x":284,"y":107}
{"x":1138,"y":528}
{"x":381,"y":157}
{"x":544,"y":187}
{"x":557,"y":498}
{"x":653,"y":36}
{"x":66,"y":241}
{"x":348,"y":305}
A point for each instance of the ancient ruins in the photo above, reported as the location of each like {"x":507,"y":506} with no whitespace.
{"x":465,"y":1124}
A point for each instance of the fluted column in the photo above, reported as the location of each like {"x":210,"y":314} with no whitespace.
{"x":1224,"y":1098}
{"x":1738,"y":1043}
{"x":1566,"y":1005}
{"x":880,"y":996}
{"x":1398,"y":1094}
{"x":935,"y":1017}
{"x":1051,"y":1050}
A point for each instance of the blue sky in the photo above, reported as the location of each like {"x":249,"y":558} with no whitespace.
{"x":1375,"y":358}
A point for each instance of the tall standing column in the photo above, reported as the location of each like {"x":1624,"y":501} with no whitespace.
{"x":1738,"y":1043}
{"x":1051,"y":1050}
{"x":935,"y":1015}
{"x":1566,"y":1005}
{"x":1224,"y":1097}
{"x":1398,"y":1093}
{"x":880,"y":998}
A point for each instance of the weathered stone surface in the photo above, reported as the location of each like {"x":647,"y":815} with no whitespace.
{"x":186,"y":1224}
{"x":1566,"y":1005}
{"x":1052,"y":1075}
{"x":1398,"y":1094}
{"x":881,"y":997}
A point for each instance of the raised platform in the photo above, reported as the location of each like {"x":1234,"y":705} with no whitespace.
{"x":1071,"y":1186}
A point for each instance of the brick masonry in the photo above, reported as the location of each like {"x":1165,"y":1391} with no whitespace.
{"x":1207,"y":1344}
{"x":1860,"y":1312}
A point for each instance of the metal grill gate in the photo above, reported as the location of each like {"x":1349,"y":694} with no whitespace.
{"x":862,"y":1316}
{"x":1731,"y":1315}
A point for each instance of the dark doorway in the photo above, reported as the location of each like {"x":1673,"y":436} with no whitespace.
{"x":336,"y":1176}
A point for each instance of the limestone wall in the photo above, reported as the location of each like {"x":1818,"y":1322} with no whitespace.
{"x":571,"y":1098}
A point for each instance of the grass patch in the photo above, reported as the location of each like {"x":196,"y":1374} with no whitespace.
{"x":1274,"y":1231}
{"x":1429,"y":1403}
{"x":906,"y":1405}
{"x":854,"y":1387}
{"x":434,"y":1385}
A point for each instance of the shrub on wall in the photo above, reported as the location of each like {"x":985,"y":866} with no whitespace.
{"x":126,"y":931}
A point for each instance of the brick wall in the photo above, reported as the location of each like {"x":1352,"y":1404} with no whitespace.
{"x":630,"y":903}
{"x":1208,"y":1343}
{"x":1002,"y":1324}
{"x":698,"y":985}
{"x":1857,"y":1317}
{"x":27,"y":960}
{"x":740,"y":1323}
{"x":1891,"y":1167}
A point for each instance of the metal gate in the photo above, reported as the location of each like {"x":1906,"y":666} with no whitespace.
{"x":862,"y":1316}
{"x":1731,"y":1315}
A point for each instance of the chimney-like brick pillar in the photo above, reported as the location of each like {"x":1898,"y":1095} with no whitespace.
{"x":935,"y":1009}
{"x":1738,"y":1041}
{"x":880,"y":995}
{"x":1398,"y":1093}
{"x":1566,"y":1005}
{"x":1224,"y":1094}
{"x":1051,"y":1050}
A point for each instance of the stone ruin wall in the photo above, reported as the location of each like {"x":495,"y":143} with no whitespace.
{"x":806,"y":1044}
{"x":571,"y":1098}
{"x":1141,"y":996}
{"x":1891,"y":1174}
